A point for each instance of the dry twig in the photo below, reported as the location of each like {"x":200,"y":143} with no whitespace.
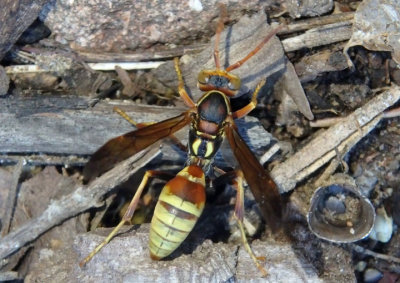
{"x":79,"y":201}
{"x":339,"y":137}
{"x":12,"y":197}
{"x":311,"y":23}
{"x":324,"y":35}
{"x":321,"y":31}
{"x":365,"y":251}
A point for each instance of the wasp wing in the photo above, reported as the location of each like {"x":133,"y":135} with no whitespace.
{"x":122,"y":147}
{"x":261,"y":184}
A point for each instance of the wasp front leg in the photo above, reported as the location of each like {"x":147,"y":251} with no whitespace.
{"x":181,"y":85}
{"x":251,"y":105}
{"x":124,"y":115}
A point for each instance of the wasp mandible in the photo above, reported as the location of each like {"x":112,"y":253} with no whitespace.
{"x":210,"y":120}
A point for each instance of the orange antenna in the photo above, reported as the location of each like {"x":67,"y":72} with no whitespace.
{"x":220,"y":27}
{"x":254,"y":51}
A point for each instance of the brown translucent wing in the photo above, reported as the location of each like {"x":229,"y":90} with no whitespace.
{"x":261,"y":184}
{"x":122,"y":147}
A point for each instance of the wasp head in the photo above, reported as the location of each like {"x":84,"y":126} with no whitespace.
{"x":220,"y":80}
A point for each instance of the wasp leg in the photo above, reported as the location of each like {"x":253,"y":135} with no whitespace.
{"x":253,"y":103}
{"x":237,"y":183}
{"x":127,"y":216}
{"x":124,"y":115}
{"x":181,"y":85}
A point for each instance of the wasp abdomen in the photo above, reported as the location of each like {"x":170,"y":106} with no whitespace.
{"x":180,"y":204}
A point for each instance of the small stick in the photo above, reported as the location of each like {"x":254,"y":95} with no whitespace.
{"x":141,"y":56}
{"x":327,"y":122}
{"x":109,"y":66}
{"x":316,"y":22}
{"x":82,"y":199}
{"x":269,"y":153}
{"x":395,"y":112}
{"x":323,"y":35}
{"x":339,"y":137}
{"x":12,"y":197}
{"x":328,"y":29}
{"x":365,"y":251}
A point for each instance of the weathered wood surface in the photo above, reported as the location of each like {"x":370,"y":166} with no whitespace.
{"x":43,"y":127}
{"x":80,"y":200}
{"x":116,"y":25}
{"x":65,"y":126}
{"x":126,"y":259}
{"x":236,"y":42}
{"x":340,"y":137}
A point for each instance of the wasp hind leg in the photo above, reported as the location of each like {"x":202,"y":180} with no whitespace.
{"x":128,"y":214}
{"x":236,"y":180}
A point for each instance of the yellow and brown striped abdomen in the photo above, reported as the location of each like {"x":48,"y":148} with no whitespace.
{"x":180,"y":204}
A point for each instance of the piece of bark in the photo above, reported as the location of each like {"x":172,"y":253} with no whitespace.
{"x":41,"y":159}
{"x":294,"y":27}
{"x":376,"y":26}
{"x":63,"y":126}
{"x":339,"y":137}
{"x":140,"y":56}
{"x":115,"y":25}
{"x":16,"y":16}
{"x":324,"y":35}
{"x":126,"y":258}
{"x":4,"y":81}
{"x":38,"y":192}
{"x":308,"y":8}
{"x":80,"y":200}
{"x":128,"y":56}
{"x":319,"y":35}
{"x":34,"y":195}
{"x":310,"y":23}
{"x":290,"y":86}
{"x":235,"y":43}
{"x":311,"y":66}
{"x":10,"y":276}
{"x":26,"y":106}
{"x":6,"y":181}
{"x":13,"y":192}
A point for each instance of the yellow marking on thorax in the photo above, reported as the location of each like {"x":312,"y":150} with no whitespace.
{"x":195,"y":146}
{"x":210,"y":149}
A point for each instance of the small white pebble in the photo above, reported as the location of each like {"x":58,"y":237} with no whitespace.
{"x":383,"y":227}
{"x":360,"y":266}
{"x":196,"y":5}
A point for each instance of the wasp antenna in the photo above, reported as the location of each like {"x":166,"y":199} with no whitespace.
{"x":220,"y":27}
{"x":255,"y":50}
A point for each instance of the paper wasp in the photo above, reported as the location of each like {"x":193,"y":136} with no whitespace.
{"x":182,"y":199}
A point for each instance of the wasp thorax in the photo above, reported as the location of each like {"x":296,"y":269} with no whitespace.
{"x":205,"y":135}
{"x":213,"y":107}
